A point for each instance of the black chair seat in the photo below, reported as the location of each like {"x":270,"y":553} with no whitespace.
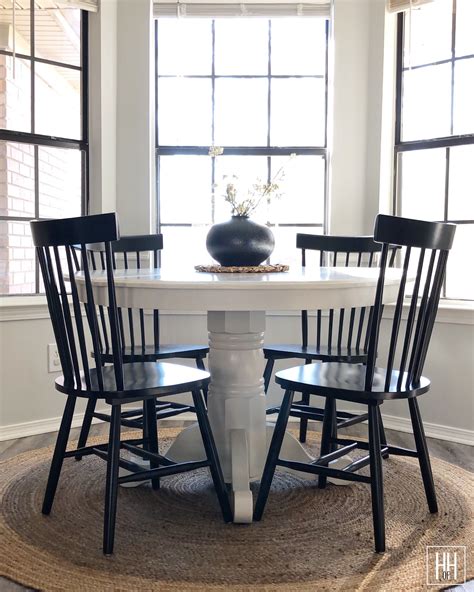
{"x":322,"y":354}
{"x":151,"y":353}
{"x":347,"y":382}
{"x":141,"y":379}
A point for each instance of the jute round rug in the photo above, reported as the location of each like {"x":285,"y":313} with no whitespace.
{"x":174,"y":539}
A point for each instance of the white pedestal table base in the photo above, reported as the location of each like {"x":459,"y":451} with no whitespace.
{"x":236,"y":407}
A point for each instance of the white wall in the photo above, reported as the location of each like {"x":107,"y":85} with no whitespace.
{"x":103,"y":108}
{"x":135,"y":117}
{"x":361,"y":168}
{"x":351,"y":32}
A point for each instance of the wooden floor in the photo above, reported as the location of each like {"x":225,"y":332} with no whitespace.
{"x":457,"y":454}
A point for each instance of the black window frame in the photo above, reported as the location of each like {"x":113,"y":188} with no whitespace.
{"x":268,"y":151}
{"x":40,"y":140}
{"x":446,"y":142}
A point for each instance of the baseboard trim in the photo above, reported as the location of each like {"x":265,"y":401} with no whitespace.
{"x":400,"y":424}
{"x":432,"y":430}
{"x":40,"y":426}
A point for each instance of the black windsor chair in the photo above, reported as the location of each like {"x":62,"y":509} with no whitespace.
{"x":137,"y":252}
{"x":427,"y":245}
{"x":340,"y":335}
{"x":116,"y":383}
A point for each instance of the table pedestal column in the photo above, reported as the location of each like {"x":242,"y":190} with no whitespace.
{"x":236,"y":401}
{"x":236,"y":407}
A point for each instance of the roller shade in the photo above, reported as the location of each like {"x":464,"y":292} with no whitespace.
{"x":90,"y":5}
{"x":401,"y":5}
{"x":223,"y":8}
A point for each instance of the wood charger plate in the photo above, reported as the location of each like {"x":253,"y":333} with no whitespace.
{"x":277,"y":268}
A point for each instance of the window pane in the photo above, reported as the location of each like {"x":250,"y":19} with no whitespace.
{"x":185,"y":189}
{"x":298,"y":46}
{"x":241,"y":46}
{"x":58,"y":35}
{"x":464,"y":21}
{"x":297,"y":112}
{"x":426,"y":102}
{"x":195,"y":253}
{"x":17,"y":258}
{"x":285,"y":251}
{"x":428,"y":35}
{"x":17,"y":179}
{"x":241,"y":112}
{"x":423,"y":175}
{"x":58,"y":101}
{"x":303,"y":190}
{"x":184,"y":112}
{"x":464,"y":97}
{"x":59,"y":182}
{"x":461,"y":183}
{"x":22,"y":29}
{"x":247,"y":170}
{"x":184,"y":46}
{"x":459,"y":277}
{"x":15,"y":94}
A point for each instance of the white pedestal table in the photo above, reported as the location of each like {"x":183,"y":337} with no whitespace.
{"x":236,"y":306}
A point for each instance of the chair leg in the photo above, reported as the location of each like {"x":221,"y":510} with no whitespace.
{"x":376,"y":479}
{"x":305,"y":398}
{"x":212,"y":456}
{"x":58,"y":455}
{"x":267,"y":373}
{"x":423,"y":455}
{"x":329,"y":422}
{"x":86,"y":425}
{"x":304,"y":421}
{"x":200,"y":365}
{"x":111,"y":485}
{"x":152,"y":435}
{"x":273,"y":454}
{"x":383,"y":437}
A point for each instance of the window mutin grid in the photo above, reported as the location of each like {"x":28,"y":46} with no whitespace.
{"x":447,"y":142}
{"x":266,"y":150}
{"x":38,"y":140}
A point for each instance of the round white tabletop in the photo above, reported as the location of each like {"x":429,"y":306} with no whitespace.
{"x":296,"y":289}
{"x":236,"y":305}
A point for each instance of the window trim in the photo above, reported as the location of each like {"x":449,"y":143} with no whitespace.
{"x":40,"y":140}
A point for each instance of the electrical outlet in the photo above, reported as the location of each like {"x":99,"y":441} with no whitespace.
{"x":54,"y":363}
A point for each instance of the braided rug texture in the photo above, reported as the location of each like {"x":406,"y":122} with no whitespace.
{"x":174,"y":539}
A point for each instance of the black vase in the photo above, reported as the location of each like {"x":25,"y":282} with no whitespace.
{"x":239,"y":241}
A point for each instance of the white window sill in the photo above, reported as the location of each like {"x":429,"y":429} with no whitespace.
{"x":25,"y":308}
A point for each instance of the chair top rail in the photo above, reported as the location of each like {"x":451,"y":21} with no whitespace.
{"x":342,"y":244}
{"x":132,"y":244}
{"x":414,"y":233}
{"x":74,"y":231}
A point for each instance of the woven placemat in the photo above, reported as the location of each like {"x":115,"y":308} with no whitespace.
{"x":174,"y":539}
{"x":277,"y":268}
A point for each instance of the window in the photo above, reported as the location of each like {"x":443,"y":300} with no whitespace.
{"x":43,"y":130}
{"x":261,"y":99}
{"x":435,"y":127}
